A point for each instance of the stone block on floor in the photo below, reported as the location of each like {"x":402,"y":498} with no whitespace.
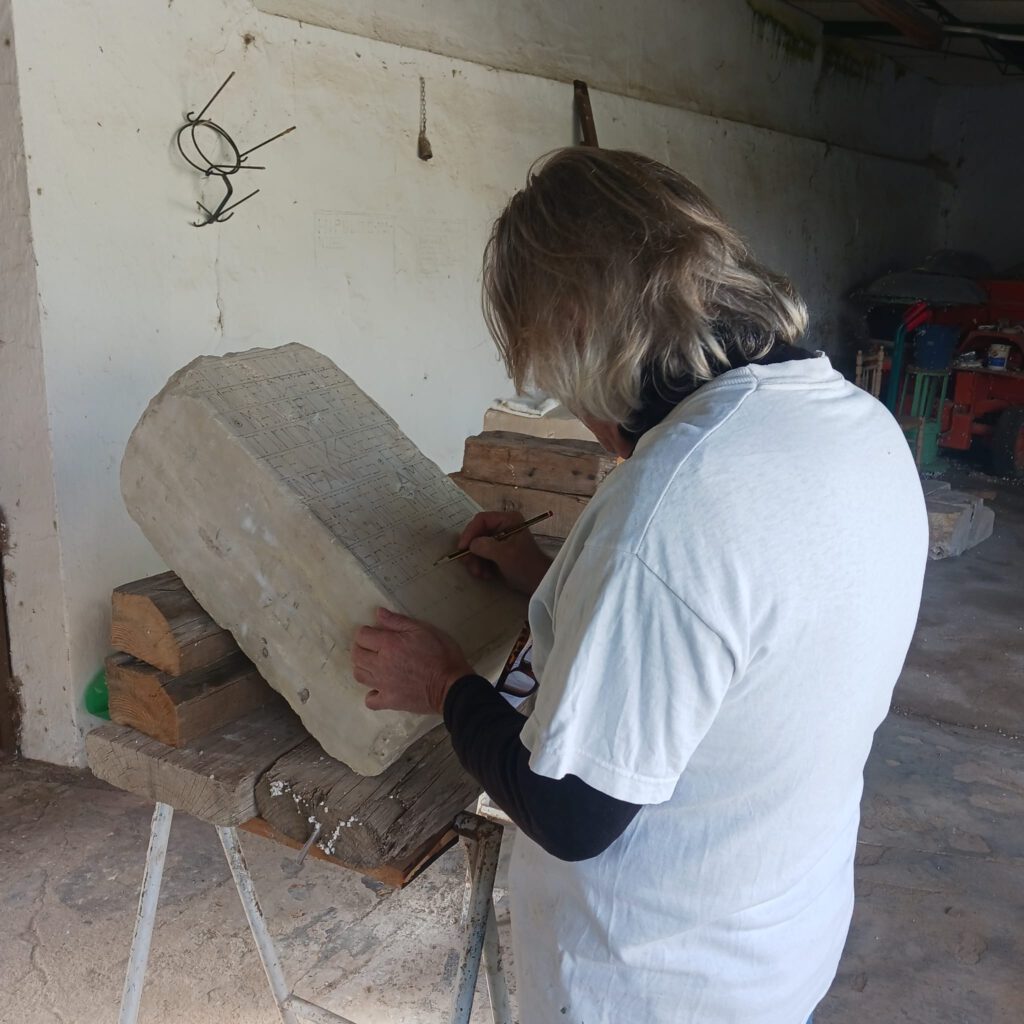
{"x":957,"y":521}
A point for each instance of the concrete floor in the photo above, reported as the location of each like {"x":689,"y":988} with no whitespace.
{"x":936,"y":933}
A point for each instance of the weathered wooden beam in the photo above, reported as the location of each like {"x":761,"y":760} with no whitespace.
{"x":212,"y":778}
{"x":158,"y":621}
{"x":179,"y":709}
{"x":396,"y":875}
{"x":909,"y":19}
{"x":567,"y":508}
{"x":368,"y":823}
{"x":542,"y":463}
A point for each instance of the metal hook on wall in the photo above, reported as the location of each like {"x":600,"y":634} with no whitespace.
{"x":236,"y":160}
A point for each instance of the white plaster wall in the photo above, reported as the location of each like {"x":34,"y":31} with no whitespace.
{"x":980,"y":134}
{"x":354,"y":246}
{"x":32,"y":569}
{"x":760,"y":62}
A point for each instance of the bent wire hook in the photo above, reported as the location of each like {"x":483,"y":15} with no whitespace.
{"x":211,"y":168}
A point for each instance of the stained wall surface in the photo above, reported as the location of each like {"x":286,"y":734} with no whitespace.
{"x":977,"y":135}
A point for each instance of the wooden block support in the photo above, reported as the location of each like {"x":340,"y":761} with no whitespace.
{"x":158,"y":621}
{"x":368,"y":823}
{"x":567,"y":508}
{"x":179,"y":709}
{"x":540,"y":463}
{"x":397,"y":874}
{"x":213,"y":778}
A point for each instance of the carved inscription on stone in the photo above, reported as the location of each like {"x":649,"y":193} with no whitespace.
{"x":290,"y":503}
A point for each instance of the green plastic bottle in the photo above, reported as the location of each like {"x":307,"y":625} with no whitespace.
{"x":96,"y":696}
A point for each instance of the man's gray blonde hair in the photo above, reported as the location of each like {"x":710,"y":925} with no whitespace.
{"x":610,"y":269}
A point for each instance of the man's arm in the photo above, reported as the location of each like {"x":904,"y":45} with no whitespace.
{"x":567,"y":818}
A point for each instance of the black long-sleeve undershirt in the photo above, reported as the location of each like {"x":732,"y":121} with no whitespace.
{"x":566,"y":817}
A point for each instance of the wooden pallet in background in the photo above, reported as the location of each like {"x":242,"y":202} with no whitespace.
{"x":540,"y":463}
{"x":530,"y":475}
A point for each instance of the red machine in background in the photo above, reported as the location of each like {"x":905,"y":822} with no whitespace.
{"x":986,"y":405}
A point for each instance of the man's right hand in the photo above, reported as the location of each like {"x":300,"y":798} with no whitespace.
{"x":518,"y":560}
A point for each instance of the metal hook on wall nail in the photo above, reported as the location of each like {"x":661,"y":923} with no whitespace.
{"x":223,"y":169}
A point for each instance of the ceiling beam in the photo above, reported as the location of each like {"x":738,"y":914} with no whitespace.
{"x":884,"y":30}
{"x":908,"y":19}
{"x":1007,"y":53}
{"x":859,"y":29}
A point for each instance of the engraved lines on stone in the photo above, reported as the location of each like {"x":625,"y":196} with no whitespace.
{"x":401,"y":556}
{"x":343,"y":457}
{"x":277,"y":370}
{"x":456,"y":604}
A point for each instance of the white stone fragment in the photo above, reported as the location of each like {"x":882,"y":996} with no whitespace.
{"x":957,"y":521}
{"x":292,"y":506}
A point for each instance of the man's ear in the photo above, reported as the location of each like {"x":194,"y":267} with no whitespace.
{"x":624,"y":443}
{"x":610,"y":437}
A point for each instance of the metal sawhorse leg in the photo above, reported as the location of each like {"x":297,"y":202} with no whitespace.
{"x":483,"y":845}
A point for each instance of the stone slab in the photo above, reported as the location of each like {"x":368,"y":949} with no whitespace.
{"x":957,"y":521}
{"x":292,"y":506}
{"x":982,"y":525}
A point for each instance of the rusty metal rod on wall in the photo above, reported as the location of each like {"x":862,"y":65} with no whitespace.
{"x":581,"y":101}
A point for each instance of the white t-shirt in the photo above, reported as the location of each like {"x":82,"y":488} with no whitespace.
{"x":718,"y":640}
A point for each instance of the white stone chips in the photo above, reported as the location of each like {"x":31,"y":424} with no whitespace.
{"x":292,"y":505}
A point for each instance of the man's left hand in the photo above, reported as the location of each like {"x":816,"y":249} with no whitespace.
{"x":407,"y":665}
